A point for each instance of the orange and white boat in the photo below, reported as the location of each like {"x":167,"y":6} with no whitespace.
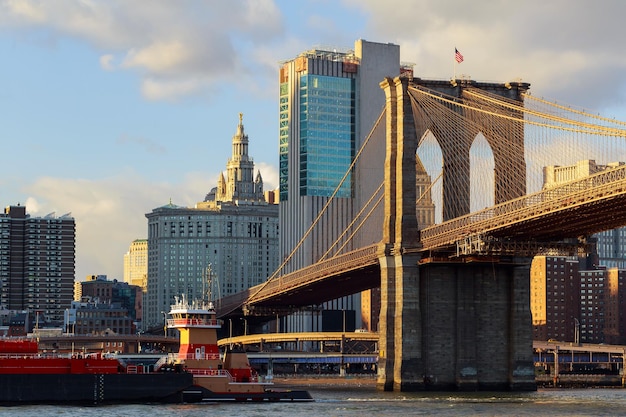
{"x":230,"y":378}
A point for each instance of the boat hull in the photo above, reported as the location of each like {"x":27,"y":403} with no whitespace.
{"x":201,"y":394}
{"x":93,"y":389}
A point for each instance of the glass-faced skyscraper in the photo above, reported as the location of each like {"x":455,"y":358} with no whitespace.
{"x":329,"y":101}
{"x":326,"y":132}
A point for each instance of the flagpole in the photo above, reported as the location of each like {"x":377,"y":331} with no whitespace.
{"x":454,"y":65}
{"x":454,"y":69}
{"x":458,"y":58}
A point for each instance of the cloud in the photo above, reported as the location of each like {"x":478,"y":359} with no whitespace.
{"x":563,"y":48}
{"x":269,"y":173}
{"x":110,"y":212}
{"x":106,"y":62}
{"x":167,"y":43}
{"x":159,"y":57}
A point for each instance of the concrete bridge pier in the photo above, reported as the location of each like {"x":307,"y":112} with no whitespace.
{"x":476,"y":326}
{"x":452,"y":326}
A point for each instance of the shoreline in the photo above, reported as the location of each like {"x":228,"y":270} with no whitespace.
{"x":325,"y":381}
{"x":369,"y":382}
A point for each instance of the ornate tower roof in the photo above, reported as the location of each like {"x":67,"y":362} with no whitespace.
{"x":239,"y":184}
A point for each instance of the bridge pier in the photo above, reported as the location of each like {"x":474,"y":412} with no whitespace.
{"x":477,"y":327}
{"x":400,"y":344}
{"x":466,"y":326}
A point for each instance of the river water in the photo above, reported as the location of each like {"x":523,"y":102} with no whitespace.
{"x":367,"y":401}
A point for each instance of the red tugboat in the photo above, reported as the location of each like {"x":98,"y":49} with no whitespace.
{"x":195,"y":374}
{"x":214,"y":379}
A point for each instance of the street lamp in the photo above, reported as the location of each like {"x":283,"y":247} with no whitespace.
{"x":230,"y":332}
{"x":245,"y":326}
{"x":164,"y":323}
{"x":577,"y":332}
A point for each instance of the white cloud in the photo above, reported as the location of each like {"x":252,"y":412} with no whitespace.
{"x":24,"y":11}
{"x":565,"y":49}
{"x":171,"y":89}
{"x":110,"y":212}
{"x":106,"y":62}
{"x":269,"y":173}
{"x":167,"y":43}
{"x":159,"y":57}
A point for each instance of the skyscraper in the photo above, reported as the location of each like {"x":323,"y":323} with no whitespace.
{"x":136,"y":263}
{"x":328,"y":103}
{"x":37,"y":260}
{"x":225,"y":244}
{"x":554,"y":297}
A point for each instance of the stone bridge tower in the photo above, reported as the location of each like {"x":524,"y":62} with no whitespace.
{"x":448,"y":324}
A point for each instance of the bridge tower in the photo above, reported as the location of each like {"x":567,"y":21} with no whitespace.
{"x":399,"y":366}
{"x":452,"y":324}
{"x":457,"y":135}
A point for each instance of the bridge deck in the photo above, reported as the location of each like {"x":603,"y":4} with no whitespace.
{"x":572,"y":210}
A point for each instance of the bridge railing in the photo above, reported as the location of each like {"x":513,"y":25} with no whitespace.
{"x":566,"y":195}
{"x":358,"y":258}
{"x":355,"y":259}
{"x":600,"y":185}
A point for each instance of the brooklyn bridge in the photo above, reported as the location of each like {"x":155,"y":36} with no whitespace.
{"x":455,"y":295}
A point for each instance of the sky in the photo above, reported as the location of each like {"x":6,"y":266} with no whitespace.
{"x":111,"y":108}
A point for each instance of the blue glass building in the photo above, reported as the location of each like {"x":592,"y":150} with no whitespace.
{"x":328,"y":102}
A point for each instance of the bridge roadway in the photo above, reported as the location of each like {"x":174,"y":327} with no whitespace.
{"x":522,"y":226}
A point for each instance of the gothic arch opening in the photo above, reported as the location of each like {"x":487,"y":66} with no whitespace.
{"x":431,"y":157}
{"x":482,"y":174}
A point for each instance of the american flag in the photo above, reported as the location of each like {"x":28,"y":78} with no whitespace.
{"x":458,"y":56}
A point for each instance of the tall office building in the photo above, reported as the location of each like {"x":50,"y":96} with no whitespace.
{"x":615,"y":311}
{"x":328,"y":103}
{"x":37,"y":261}
{"x":136,"y":263}
{"x":225,"y":244}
